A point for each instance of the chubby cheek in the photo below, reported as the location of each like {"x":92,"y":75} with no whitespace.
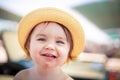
{"x":64,"y":55}
{"x":34,"y":54}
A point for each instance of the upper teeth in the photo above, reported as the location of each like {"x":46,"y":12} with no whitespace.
{"x":49,"y":55}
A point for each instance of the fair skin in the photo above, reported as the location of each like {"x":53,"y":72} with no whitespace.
{"x":49,"y":49}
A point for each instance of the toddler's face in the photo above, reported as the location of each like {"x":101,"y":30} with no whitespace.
{"x":48,"y":45}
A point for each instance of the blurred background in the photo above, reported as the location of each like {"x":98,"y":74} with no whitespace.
{"x":100,"y":20}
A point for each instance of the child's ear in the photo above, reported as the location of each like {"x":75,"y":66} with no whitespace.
{"x":27,"y":46}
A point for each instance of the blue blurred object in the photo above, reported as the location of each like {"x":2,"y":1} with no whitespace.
{"x":97,"y":66}
{"x":25,"y":63}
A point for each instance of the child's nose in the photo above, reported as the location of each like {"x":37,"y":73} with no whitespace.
{"x":50,"y":47}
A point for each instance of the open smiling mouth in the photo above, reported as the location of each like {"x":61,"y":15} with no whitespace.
{"x":49,"y":55}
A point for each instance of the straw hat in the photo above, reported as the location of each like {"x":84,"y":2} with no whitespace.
{"x":55,"y":15}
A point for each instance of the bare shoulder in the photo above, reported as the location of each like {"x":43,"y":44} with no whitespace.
{"x":22,"y":75}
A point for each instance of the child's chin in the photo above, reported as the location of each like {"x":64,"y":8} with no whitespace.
{"x":50,"y":65}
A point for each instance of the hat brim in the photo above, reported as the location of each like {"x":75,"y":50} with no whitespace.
{"x":55,"y":15}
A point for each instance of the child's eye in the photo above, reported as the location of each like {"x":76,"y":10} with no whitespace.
{"x":41,"y":39}
{"x":60,"y":42}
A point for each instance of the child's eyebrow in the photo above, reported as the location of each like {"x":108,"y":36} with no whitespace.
{"x":62,"y":38}
{"x":40,"y":35}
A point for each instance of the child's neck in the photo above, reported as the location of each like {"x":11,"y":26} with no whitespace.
{"x":48,"y":73}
